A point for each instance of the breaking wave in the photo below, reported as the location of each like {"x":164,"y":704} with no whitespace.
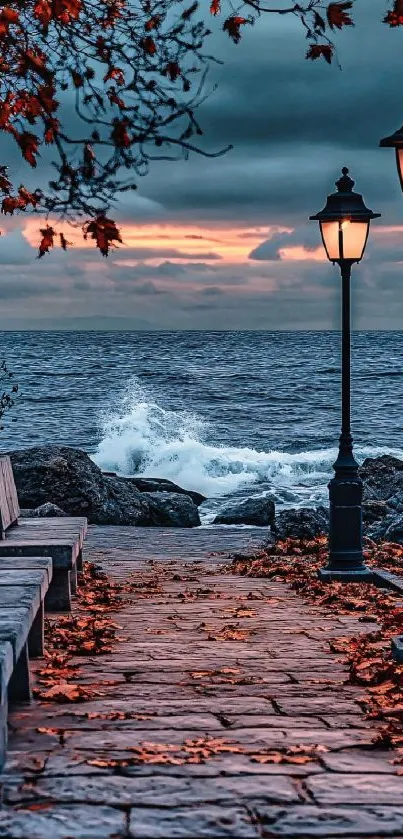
{"x":143,"y":438}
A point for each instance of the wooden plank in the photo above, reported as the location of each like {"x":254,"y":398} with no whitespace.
{"x":41,"y":563}
{"x":75,"y":526}
{"x":20,"y":596}
{"x":11,"y":491}
{"x":63,"y":552}
{"x":14,"y":627}
{"x":4,"y":511}
{"x":18,"y":577}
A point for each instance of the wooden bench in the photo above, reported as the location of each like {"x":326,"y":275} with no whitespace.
{"x":23,"y":587}
{"x":61,"y":539}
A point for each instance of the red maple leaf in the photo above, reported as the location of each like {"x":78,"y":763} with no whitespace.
{"x":28,"y":144}
{"x":215,"y":7}
{"x":47,"y":240}
{"x":10,"y":203}
{"x":119,"y":134}
{"x":153,"y":23}
{"x":148,"y":45}
{"x":27,"y":197}
{"x":338,"y":16}
{"x":395,"y":17}
{"x":173,"y":70}
{"x":104,"y":231}
{"x":319,"y":51}
{"x":115,"y":73}
{"x":232,"y":26}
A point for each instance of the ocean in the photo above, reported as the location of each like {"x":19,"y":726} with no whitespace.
{"x":230,"y":414}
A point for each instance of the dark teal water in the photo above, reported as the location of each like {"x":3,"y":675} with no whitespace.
{"x":230,"y":413}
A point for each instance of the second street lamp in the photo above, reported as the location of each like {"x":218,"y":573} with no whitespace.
{"x":395,"y":141}
{"x":344,"y":225}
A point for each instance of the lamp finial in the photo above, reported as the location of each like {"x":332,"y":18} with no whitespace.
{"x":345,"y":183}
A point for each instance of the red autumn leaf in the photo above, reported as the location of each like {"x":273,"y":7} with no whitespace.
{"x":119,"y":134}
{"x":9,"y":15}
{"x":66,"y":10}
{"x":88,"y":168}
{"x":115,"y":73}
{"x":337,"y":14}
{"x":173,"y":70}
{"x":28,"y":144}
{"x":232,"y":26}
{"x":148,"y":45}
{"x":5,"y":183}
{"x":104,"y":231}
{"x":43,"y":12}
{"x":215,"y":7}
{"x":52,"y":127}
{"x":153,"y":23}
{"x":9,"y":204}
{"x":115,"y":99}
{"x":47,"y":240}
{"x":319,"y":51}
{"x":46,"y":96}
{"x":27,"y":197}
{"x":395,"y":16}
{"x":77,"y":78}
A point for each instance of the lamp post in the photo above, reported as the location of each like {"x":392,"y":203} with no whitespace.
{"x":344,"y":226}
{"x":395,"y":141}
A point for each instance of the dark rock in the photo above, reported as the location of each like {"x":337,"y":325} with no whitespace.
{"x":160,"y":485}
{"x":389,"y":528}
{"x":48,"y":510}
{"x":301,"y":523}
{"x":172,"y":509}
{"x":257,"y":511}
{"x":70,"y":479}
{"x":373,"y":511}
{"x":382,"y":477}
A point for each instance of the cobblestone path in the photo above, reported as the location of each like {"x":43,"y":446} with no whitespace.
{"x":231,"y":670}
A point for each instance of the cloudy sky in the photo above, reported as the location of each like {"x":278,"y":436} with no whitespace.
{"x":224,"y":243}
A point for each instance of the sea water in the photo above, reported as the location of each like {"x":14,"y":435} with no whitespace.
{"x":230,"y":414}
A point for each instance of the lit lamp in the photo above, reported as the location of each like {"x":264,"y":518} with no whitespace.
{"x":395,"y":141}
{"x":344,"y":225}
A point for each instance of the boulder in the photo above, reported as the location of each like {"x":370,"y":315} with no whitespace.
{"x":172,"y":509}
{"x":383,"y":478}
{"x":160,"y":485}
{"x":389,"y":529}
{"x":257,"y":511}
{"x":301,"y":523}
{"x":68,"y":478}
{"x":373,"y":511}
{"x":49,"y":510}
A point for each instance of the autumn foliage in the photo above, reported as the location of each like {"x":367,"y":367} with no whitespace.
{"x":99,"y":90}
{"x":371,"y":665}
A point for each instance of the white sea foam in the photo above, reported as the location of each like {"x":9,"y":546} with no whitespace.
{"x":145,"y":439}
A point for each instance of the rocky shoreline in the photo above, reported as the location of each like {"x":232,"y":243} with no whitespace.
{"x":59,"y":480}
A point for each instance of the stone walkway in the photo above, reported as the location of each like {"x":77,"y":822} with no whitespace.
{"x":231,"y":670}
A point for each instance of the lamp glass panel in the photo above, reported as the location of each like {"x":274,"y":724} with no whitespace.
{"x":330,"y":237}
{"x":354,"y":235}
{"x":351,"y":243}
{"x":399,"y":161}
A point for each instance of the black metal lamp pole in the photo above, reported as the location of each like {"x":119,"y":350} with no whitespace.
{"x":344,"y":224}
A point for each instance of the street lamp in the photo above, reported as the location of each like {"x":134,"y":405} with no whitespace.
{"x":344,"y":225}
{"x":395,"y":141}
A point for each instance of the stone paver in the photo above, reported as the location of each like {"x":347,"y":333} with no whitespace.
{"x":237,"y":666}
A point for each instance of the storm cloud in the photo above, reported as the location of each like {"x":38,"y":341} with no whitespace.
{"x":293,"y":124}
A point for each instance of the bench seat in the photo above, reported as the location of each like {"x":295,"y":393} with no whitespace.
{"x":22,"y":593}
{"x":63,"y":552}
{"x":77,"y":525}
